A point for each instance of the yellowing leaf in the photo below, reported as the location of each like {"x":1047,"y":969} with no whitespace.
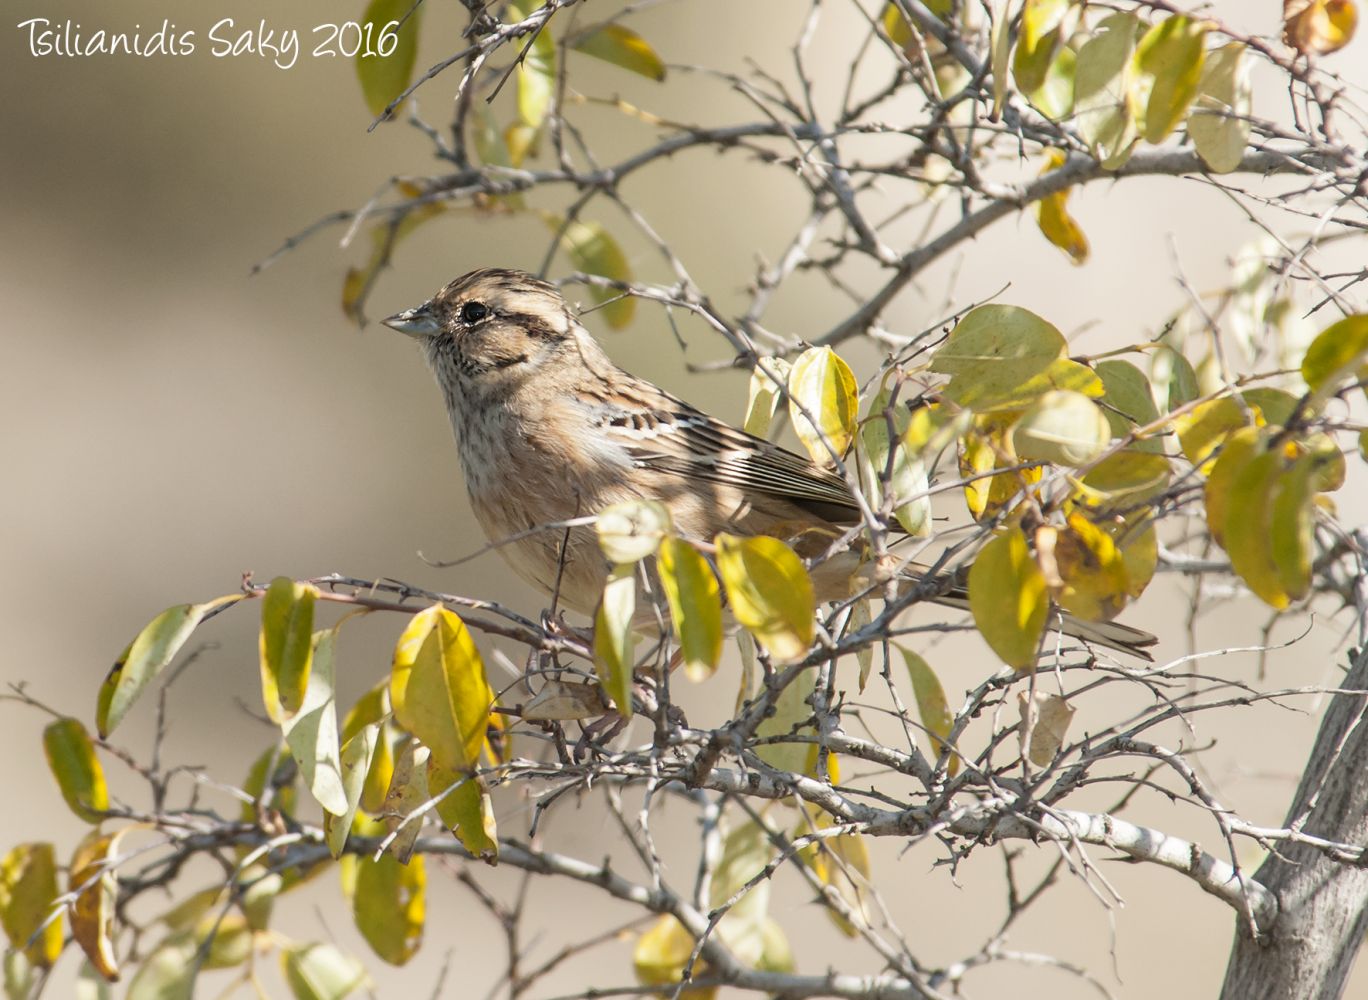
{"x":594,"y":251}
{"x":28,"y":890}
{"x":286,"y":642}
{"x":537,"y":69}
{"x":823,"y":385}
{"x":631,"y":530}
{"x":354,"y":763}
{"x":613,"y":639}
{"x":792,"y":714}
{"x":622,"y":47}
{"x":993,"y":335}
{"x":984,"y":447}
{"x":1054,"y":219}
{"x":1054,"y":98}
{"x":320,"y":971}
{"x":1168,"y":62}
{"x":1206,"y":426}
{"x":1318,"y":27}
{"x":381,"y":770}
{"x":1036,"y":42}
{"x":660,"y":955}
{"x":1000,"y":45}
{"x":1249,"y":528}
{"x":466,"y":810}
{"x":71,"y":756}
{"x":389,"y":905}
{"x":405,"y":798}
{"x":1290,"y":539}
{"x":1008,"y":598}
{"x":695,"y":606}
{"x":385,"y":65}
{"x":1240,"y":448}
{"x":1066,"y":428}
{"x":92,"y":915}
{"x":169,"y":972}
{"x":311,"y":734}
{"x":1339,"y":351}
{"x":1095,"y":586}
{"x":1219,"y":121}
{"x":438,"y":687}
{"x":900,"y":466}
{"x":762,"y":395}
{"x":1044,"y":721}
{"x":1102,"y":79}
{"x":146,"y":656}
{"x":1128,"y":475}
{"x":769,"y":592}
{"x":931,"y":706}
{"x":1138,"y":543}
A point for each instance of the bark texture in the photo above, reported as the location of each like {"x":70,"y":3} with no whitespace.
{"x":1322,"y":902}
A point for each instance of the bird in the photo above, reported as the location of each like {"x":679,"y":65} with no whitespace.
{"x":549,"y":430}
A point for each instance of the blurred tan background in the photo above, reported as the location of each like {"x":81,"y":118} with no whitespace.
{"x":170,"y":422}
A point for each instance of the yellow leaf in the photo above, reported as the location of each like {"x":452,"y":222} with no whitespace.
{"x":823,"y":385}
{"x":28,"y":890}
{"x":286,"y":642}
{"x":384,"y":62}
{"x":389,"y":905}
{"x":92,"y":914}
{"x":613,"y":639}
{"x":622,"y":47}
{"x":984,"y":447}
{"x":1066,"y":428}
{"x":660,"y":955}
{"x":1291,"y":539}
{"x":762,"y":395}
{"x":1055,"y":221}
{"x":1168,"y":66}
{"x":1092,"y":571}
{"x":1318,"y":27}
{"x":1339,"y":351}
{"x":71,"y":756}
{"x":631,"y":530}
{"x":1249,"y":528}
{"x":1138,"y":543}
{"x":146,"y":656}
{"x":769,"y":592}
{"x":1207,"y":425}
{"x":1132,"y":476}
{"x":695,"y":606}
{"x":537,"y":69}
{"x":320,"y":971}
{"x":1008,"y":598}
{"x":932,"y":707}
{"x":466,"y":810}
{"x":438,"y":687}
{"x":371,"y":707}
{"x":1240,"y":448}
{"x":355,"y":762}
{"x":1036,"y":42}
{"x":1219,"y":122}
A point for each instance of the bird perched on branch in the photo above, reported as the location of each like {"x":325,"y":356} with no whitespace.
{"x":550,"y":430}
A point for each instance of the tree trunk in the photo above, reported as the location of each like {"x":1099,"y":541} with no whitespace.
{"x":1322,"y":903}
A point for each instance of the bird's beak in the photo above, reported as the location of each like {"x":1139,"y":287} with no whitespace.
{"x":419,"y":322}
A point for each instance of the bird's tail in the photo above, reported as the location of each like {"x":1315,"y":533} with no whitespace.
{"x":1113,"y":635}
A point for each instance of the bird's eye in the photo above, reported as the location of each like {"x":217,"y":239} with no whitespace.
{"x":473,"y":312}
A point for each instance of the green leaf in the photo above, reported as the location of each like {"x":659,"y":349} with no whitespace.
{"x":931,"y":705}
{"x":385,"y":77}
{"x":613,"y":639}
{"x":1129,"y":401}
{"x":1168,"y":65}
{"x":763,"y":395}
{"x":1219,"y":121}
{"x":630,"y":531}
{"x":389,"y":906}
{"x":1249,"y":528}
{"x":28,"y":890}
{"x":792,"y":714}
{"x":594,"y":251}
{"x":1339,"y":351}
{"x":438,"y":687}
{"x":1066,"y":428}
{"x":1175,"y":381}
{"x":287,"y":613}
{"x":1290,"y":538}
{"x":622,"y":47}
{"x":537,"y":70}
{"x":320,"y":971}
{"x":466,"y":810}
{"x":1001,"y":344}
{"x":1054,"y":98}
{"x":1102,"y":79}
{"x":1002,"y":390}
{"x":1040,"y":34}
{"x":1008,"y":598}
{"x":146,"y":656}
{"x":168,"y":973}
{"x":823,"y":385}
{"x":769,"y":592}
{"x":908,"y":486}
{"x":695,"y":606}
{"x":311,"y":734}
{"x":71,"y":756}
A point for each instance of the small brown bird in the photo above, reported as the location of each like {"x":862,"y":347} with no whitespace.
{"x":550,"y":430}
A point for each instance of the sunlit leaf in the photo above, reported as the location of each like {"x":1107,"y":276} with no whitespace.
{"x":389,"y":905}
{"x":660,"y":955}
{"x":287,"y":613}
{"x":1291,"y":540}
{"x":695,"y":606}
{"x":763,"y":395}
{"x":1206,"y":426}
{"x":631,"y":530}
{"x":92,"y":915}
{"x":1055,"y":222}
{"x":899,"y":464}
{"x":769,"y":592}
{"x":1168,"y":64}
{"x":1339,"y":351}
{"x":438,"y":687}
{"x":1319,"y":27}
{"x":370,"y":708}
{"x":822,"y":384}
{"x":1054,"y":98}
{"x":986,"y":446}
{"x":1128,"y":401}
{"x":1249,"y":527}
{"x":354,"y":762}
{"x":990,"y":336}
{"x":594,"y":251}
{"x":168,"y":973}
{"x":1044,"y":722}
{"x":622,"y":47}
{"x":1091,"y":570}
{"x":320,"y":971}
{"x":613,"y":639}
{"x":146,"y":656}
{"x":1000,"y":45}
{"x":385,"y":77}
{"x":1066,"y":428}
{"x":311,"y":734}
{"x":1008,"y":598}
{"x":71,"y":756}
{"x":1102,"y":78}
{"x":536,"y":68}
{"x":1219,"y":121}
{"x":28,"y":889}
{"x":1128,"y":475}
{"x":405,"y":798}
{"x":466,"y":810}
{"x":932,"y":706}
